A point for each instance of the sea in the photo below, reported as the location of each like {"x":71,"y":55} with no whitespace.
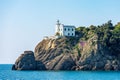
{"x":7,"y":74}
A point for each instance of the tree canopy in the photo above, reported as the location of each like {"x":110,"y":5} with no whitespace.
{"x":108,"y":35}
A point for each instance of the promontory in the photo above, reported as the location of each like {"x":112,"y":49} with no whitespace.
{"x":89,"y":48}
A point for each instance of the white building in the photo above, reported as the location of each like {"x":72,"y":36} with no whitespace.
{"x":64,"y":30}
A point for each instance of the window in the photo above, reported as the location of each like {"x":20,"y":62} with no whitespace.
{"x":72,"y":34}
{"x":72,"y":29}
{"x":68,"y":34}
{"x":65,"y":29}
{"x":68,"y":29}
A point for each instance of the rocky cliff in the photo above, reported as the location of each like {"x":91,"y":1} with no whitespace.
{"x":93,"y":48}
{"x":68,"y":53}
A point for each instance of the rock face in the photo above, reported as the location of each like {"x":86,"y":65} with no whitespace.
{"x":55,"y":54}
{"x":26,"y":62}
{"x":94,"y":56}
{"x":62,"y":62}
{"x":68,"y":54}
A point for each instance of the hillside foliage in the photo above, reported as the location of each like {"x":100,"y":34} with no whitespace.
{"x":108,"y":35}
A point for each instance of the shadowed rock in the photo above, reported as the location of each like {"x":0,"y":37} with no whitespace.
{"x":27,"y":62}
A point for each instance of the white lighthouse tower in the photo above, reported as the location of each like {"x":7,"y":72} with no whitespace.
{"x":57,"y":27}
{"x":64,"y":30}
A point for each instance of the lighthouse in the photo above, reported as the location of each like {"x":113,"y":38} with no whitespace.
{"x":64,"y":30}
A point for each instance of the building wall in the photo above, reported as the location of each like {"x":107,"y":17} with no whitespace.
{"x":69,"y":31}
{"x":65,"y":30}
{"x":61,"y":30}
{"x":57,"y":28}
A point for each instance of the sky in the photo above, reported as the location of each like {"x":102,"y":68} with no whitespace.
{"x":24,"y":23}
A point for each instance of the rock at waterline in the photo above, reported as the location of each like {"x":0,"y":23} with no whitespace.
{"x":27,"y":62}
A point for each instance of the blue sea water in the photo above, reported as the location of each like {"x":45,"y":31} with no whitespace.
{"x":7,"y":74}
